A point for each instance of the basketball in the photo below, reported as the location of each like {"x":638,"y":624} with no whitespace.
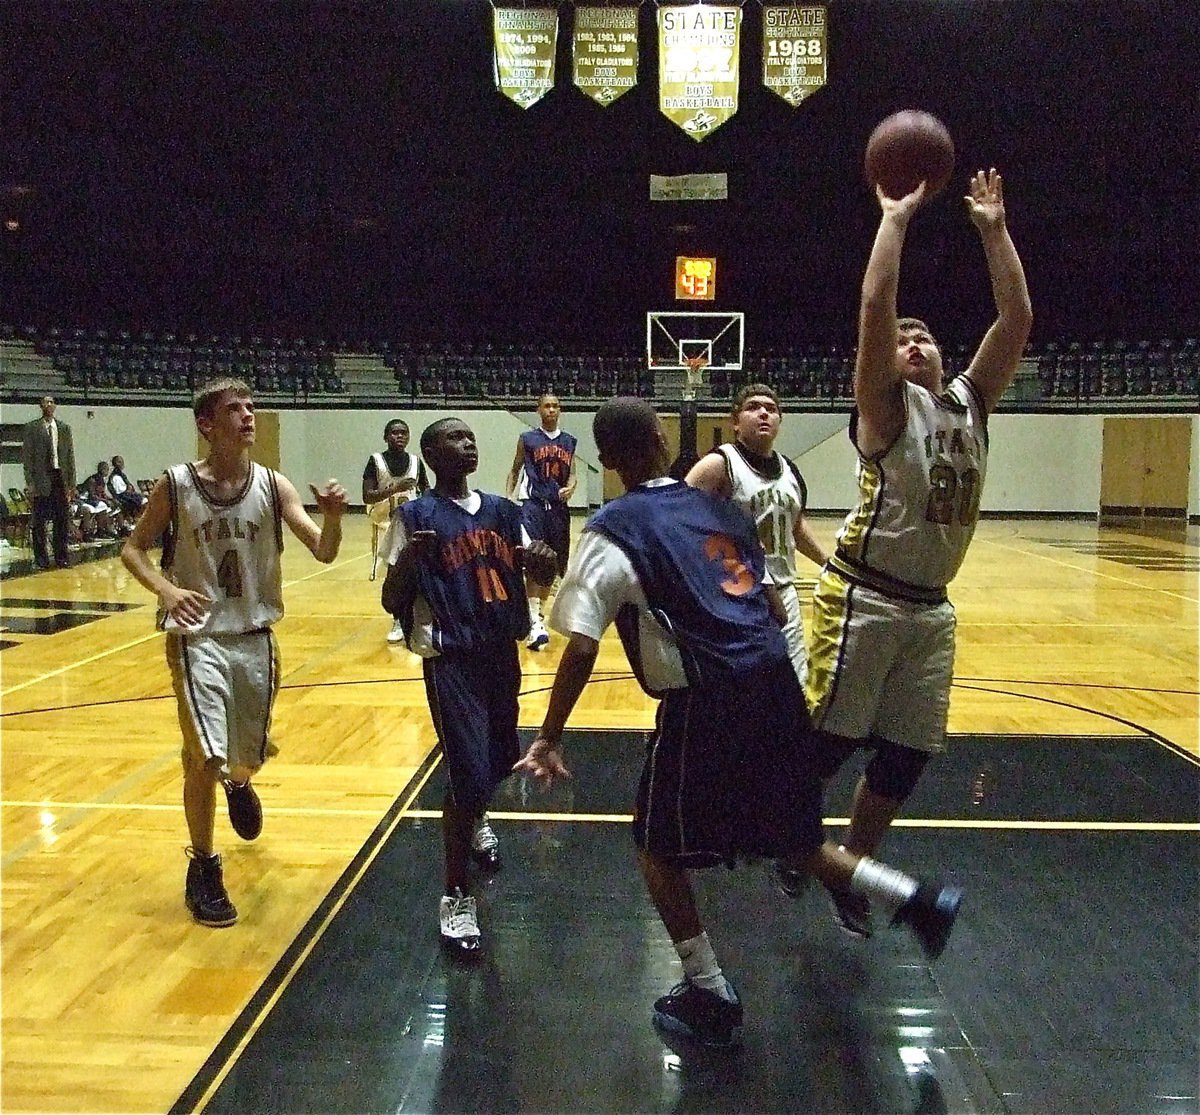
{"x":907,"y":148}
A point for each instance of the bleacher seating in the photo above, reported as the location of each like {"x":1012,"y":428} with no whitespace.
{"x":121,"y":363}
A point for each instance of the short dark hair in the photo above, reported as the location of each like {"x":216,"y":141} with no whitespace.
{"x":207,"y":395}
{"x":431,"y":432}
{"x":626,"y":429}
{"x":394,"y":422}
{"x":749,"y":391}
{"x":915,"y":323}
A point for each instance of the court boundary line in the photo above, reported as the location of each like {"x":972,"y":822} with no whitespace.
{"x":221,"y":1061}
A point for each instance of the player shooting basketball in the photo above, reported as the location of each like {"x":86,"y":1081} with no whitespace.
{"x":881,"y":656}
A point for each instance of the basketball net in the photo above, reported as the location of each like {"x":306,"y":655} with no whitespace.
{"x":695,"y":369}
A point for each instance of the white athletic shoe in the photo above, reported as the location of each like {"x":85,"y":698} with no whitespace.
{"x":485,"y":847}
{"x":538,"y":635}
{"x":458,"y":925}
{"x":396,"y":635}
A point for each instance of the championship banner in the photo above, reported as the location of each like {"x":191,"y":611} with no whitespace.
{"x":794,"y":42}
{"x":698,"y":50}
{"x":525,"y":40}
{"x":605,"y":52}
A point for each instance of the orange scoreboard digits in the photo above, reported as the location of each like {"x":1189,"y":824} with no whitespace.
{"x":695,"y":278}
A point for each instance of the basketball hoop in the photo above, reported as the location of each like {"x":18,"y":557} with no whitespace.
{"x":695,"y":370}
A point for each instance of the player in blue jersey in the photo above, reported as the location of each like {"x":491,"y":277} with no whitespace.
{"x":682,"y":574}
{"x":542,"y":478}
{"x":457,"y":560}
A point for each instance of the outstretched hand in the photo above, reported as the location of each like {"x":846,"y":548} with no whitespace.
{"x":544,"y":761}
{"x":901,"y":207}
{"x":330,"y":497}
{"x":985,"y":200}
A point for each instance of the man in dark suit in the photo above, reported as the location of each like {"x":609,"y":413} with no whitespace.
{"x":48,"y":456}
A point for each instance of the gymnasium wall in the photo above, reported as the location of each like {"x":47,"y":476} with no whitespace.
{"x":1038,"y":462}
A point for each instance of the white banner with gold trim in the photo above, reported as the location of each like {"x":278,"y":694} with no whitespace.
{"x":525,"y":43}
{"x":605,"y":52}
{"x":689,"y":187}
{"x":698,"y":48}
{"x":794,"y":50}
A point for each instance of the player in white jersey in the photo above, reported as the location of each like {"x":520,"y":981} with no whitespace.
{"x":769,"y":488}
{"x":219,"y":592}
{"x":882,"y":640}
{"x":391,"y":478}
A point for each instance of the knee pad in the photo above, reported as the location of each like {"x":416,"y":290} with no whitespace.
{"x":894,"y":769}
{"x":830,"y":752}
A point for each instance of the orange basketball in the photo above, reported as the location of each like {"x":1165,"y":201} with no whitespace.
{"x":907,"y":148}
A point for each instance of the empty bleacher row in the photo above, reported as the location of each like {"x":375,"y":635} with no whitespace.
{"x":167,"y":362}
{"x":1120,"y":370}
{"x":83,"y":364}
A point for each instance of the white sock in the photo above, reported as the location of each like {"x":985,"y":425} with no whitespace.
{"x":882,"y":884}
{"x":535,"y":609}
{"x":701,"y":967}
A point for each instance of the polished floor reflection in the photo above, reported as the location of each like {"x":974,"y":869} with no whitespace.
{"x":1070,"y":983}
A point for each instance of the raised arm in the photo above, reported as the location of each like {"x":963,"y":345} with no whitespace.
{"x":995,"y":364}
{"x":322,"y":541}
{"x":878,"y":385}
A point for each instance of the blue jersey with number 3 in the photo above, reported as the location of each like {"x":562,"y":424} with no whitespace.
{"x":700,"y":565}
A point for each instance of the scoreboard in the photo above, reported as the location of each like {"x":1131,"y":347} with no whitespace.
{"x":695,"y":278}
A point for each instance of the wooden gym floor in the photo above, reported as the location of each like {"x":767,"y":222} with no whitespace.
{"x":1067,"y":807}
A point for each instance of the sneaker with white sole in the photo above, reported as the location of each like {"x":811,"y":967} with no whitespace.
{"x":458,"y":925}
{"x":396,"y":635}
{"x":485,"y":846}
{"x":538,"y":635}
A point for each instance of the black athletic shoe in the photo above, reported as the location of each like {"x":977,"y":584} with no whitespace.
{"x":930,"y":914}
{"x":204,"y":891}
{"x":245,"y":810}
{"x":701,"y":1016}
{"x":789,"y":881}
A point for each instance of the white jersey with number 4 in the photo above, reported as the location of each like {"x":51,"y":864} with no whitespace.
{"x":919,"y":499}
{"x":226,"y":549}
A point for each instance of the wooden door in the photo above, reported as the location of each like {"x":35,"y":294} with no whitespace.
{"x":1145,"y":467}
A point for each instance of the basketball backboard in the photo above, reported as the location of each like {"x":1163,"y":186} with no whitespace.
{"x":678,"y":340}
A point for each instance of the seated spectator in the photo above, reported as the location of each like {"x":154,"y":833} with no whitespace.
{"x":124,"y":491}
{"x":97,"y":519}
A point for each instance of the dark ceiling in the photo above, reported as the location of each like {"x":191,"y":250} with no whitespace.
{"x":349,"y":168}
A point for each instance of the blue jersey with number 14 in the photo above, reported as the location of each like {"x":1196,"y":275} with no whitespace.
{"x":547,"y":462}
